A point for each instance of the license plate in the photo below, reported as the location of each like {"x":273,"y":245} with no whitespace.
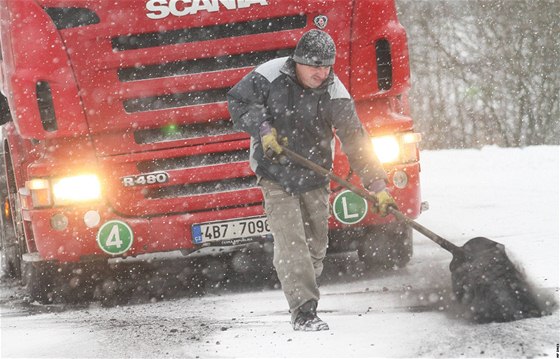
{"x":234,"y":231}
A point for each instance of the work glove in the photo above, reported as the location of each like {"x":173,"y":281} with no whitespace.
{"x":270,"y":143}
{"x":271,"y":147}
{"x":383,"y":200}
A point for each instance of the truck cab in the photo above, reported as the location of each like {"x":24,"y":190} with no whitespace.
{"x":118,"y":143}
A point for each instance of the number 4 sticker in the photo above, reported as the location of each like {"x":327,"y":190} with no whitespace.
{"x":115,"y":237}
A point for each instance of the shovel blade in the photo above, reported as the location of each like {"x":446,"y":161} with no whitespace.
{"x":489,"y":286}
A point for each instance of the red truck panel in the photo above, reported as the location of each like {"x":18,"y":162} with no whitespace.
{"x":133,"y":95}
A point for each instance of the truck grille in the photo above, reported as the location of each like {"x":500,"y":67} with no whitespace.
{"x":175,"y":100}
{"x":197,"y":186}
{"x":166,"y":164}
{"x":214,"y":187}
{"x":189,"y":131}
{"x":201,"y":185}
{"x":200,"y":65}
{"x":188,"y":67}
{"x":156,"y":101}
{"x":214,"y":32}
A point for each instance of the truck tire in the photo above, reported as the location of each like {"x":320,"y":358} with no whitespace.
{"x":386,"y":247}
{"x":9,"y":243}
{"x":11,"y":254}
{"x":38,"y":280}
{"x":36,"y":276}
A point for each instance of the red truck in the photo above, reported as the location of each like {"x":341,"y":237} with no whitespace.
{"x":117,"y":140}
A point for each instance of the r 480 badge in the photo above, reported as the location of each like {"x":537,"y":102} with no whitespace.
{"x":145,"y":179}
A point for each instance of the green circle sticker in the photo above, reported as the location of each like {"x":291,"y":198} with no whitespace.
{"x":349,"y":208}
{"x":115,"y":237}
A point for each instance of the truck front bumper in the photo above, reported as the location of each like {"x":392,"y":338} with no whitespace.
{"x":83,"y":238}
{"x":72,"y":234}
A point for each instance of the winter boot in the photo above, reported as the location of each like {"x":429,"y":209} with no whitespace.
{"x":307,"y":319}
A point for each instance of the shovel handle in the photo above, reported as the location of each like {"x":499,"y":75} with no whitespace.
{"x":442,"y":242}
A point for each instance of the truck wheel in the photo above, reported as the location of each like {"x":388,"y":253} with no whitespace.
{"x":386,"y":246}
{"x":38,"y":280}
{"x":11,"y":249}
{"x":11,"y":244}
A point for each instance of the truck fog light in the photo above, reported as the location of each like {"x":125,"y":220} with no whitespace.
{"x":92,"y":219}
{"x":400,"y":179}
{"x":59,"y":222}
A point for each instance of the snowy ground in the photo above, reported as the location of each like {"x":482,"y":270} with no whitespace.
{"x":509,"y":195}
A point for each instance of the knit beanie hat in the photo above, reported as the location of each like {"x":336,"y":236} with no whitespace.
{"x":315,"y":48}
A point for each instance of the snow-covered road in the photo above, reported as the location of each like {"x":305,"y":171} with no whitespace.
{"x":509,"y":195}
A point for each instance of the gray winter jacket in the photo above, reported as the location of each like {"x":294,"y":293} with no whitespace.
{"x":306,"y":117}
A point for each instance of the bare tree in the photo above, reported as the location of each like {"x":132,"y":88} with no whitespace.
{"x":484,"y":71}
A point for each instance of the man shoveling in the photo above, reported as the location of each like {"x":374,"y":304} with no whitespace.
{"x":299,"y":102}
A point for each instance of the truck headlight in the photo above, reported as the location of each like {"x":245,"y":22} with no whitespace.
{"x":386,"y":148}
{"x":64,"y":190}
{"x":398,"y":148}
{"x":82,"y":188}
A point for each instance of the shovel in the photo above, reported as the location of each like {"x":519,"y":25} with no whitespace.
{"x":489,"y":287}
